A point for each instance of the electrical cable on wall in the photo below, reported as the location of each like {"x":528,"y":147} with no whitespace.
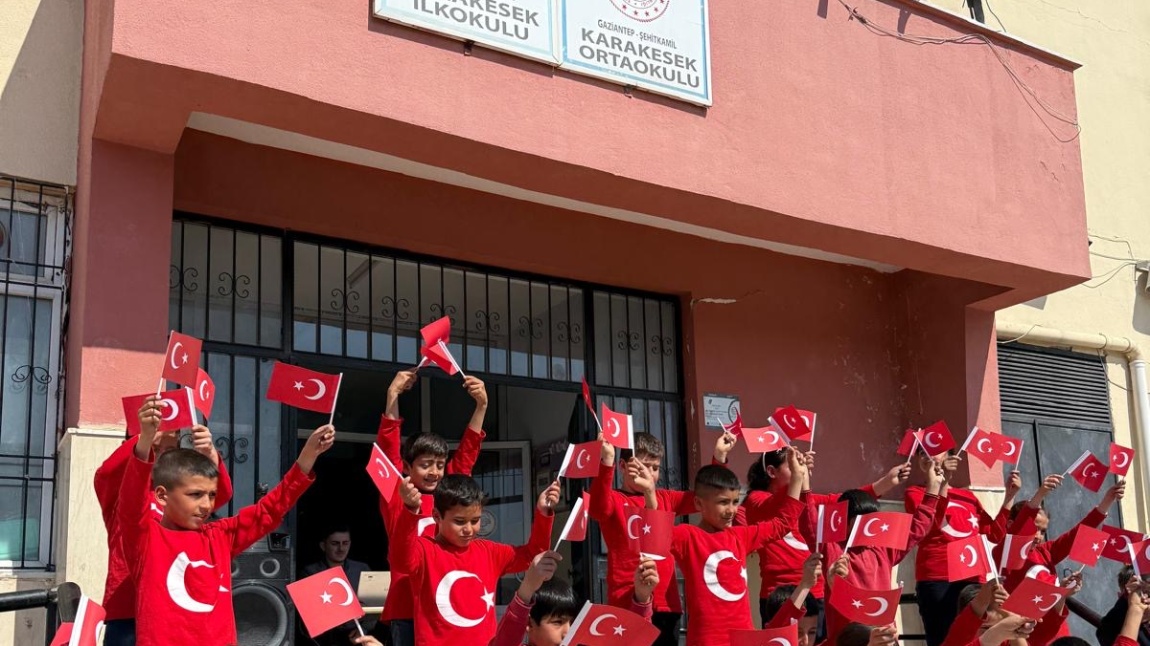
{"x":975,"y":38}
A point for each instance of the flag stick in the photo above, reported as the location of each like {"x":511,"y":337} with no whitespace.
{"x":331,"y":419}
{"x":989,"y":554}
{"x":819,"y":531}
{"x":192,"y":406}
{"x":814,"y":421}
{"x":422,"y":363}
{"x":1077,"y":462}
{"x":1005,"y":551}
{"x":451,"y":358}
{"x":969,"y":437}
{"x":913,"y":450}
{"x":1133,"y":558}
{"x":160,"y":388}
{"x":854,"y":530}
{"x":1021,"y":445}
{"x":360,"y":629}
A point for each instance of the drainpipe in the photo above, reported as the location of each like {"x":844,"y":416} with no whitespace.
{"x":1045,"y":336}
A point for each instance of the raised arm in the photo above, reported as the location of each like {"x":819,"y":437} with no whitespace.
{"x":463,"y":461}
{"x":540,"y":539}
{"x":1057,"y":550}
{"x":388,"y":437}
{"x":135,"y":494}
{"x":602,"y":504}
{"x":108,"y":478}
{"x":923,"y":520}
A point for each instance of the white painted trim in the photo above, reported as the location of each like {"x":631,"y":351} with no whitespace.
{"x":262,"y":135}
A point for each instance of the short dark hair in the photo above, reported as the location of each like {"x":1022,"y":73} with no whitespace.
{"x":1017,"y":509}
{"x":859,"y":503}
{"x":1069,"y":641}
{"x":782,"y":595}
{"x":647,"y":445}
{"x":555,"y":598}
{"x":335,"y":528}
{"x":715,"y":476}
{"x":854,"y":634}
{"x":422,"y":445}
{"x":173,"y":466}
{"x":457,"y":490}
{"x":967,"y":594}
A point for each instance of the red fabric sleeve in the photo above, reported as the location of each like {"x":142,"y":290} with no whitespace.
{"x":787,"y":615}
{"x":920,"y":526}
{"x":108,"y":477}
{"x":513,"y":625}
{"x":1124,"y":641}
{"x":964,"y":630}
{"x":603,"y":503}
{"x":1055,"y":551}
{"x":255,"y":521}
{"x":224,"y":489}
{"x":388,"y":439}
{"x":463,"y":461}
{"x":407,"y":546}
{"x":994,"y":528}
{"x":520,"y":558}
{"x":132,"y":509}
{"x":644,"y":610}
{"x":757,"y":535}
{"x":680,"y":502}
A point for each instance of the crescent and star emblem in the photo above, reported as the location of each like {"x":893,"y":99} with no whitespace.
{"x":973,"y":556}
{"x":600,"y":619}
{"x":630,"y":527}
{"x":883,"y":605}
{"x":927,"y":441}
{"x":1038,"y":600}
{"x":203,"y":394}
{"x":579,"y":463}
{"x":1087,"y":473}
{"x":448,"y":611}
{"x":614,"y":427}
{"x":711,"y":576}
{"x":173,"y":406}
{"x":1011,"y":447}
{"x":836,"y":516}
{"x":978,"y":446}
{"x":321,"y":389}
{"x":346,"y":588}
{"x":178,"y":587}
{"x":1125,"y":459}
{"x":866,"y":527}
{"x":176,"y":350}
{"x":947,"y":528}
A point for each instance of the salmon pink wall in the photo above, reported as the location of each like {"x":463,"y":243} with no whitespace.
{"x":823,"y":134}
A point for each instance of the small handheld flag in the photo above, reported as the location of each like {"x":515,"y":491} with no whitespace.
{"x":325,"y":600}
{"x":581,"y":460}
{"x":619,"y":429}
{"x":1088,"y":471}
{"x":600,"y":625}
{"x":303,"y":388}
{"x":575,"y":530}
{"x":182,"y":360}
{"x":1120,"y":459}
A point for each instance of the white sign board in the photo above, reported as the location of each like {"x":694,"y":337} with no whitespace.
{"x":662,"y":46}
{"x":719,"y":408}
{"x":521,"y":27}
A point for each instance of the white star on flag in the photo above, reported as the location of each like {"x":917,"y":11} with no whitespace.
{"x":298,"y":385}
{"x":856,"y":603}
{"x":619,"y":630}
{"x":1037,"y":599}
{"x":325,"y":596}
{"x":743,"y":573}
{"x":1094,"y":547}
{"x":884,"y":527}
{"x":646,"y":529}
{"x":184,"y":359}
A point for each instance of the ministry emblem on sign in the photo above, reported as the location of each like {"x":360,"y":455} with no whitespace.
{"x":642,"y":10}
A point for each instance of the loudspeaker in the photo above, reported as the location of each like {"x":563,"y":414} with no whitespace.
{"x":264,"y":612}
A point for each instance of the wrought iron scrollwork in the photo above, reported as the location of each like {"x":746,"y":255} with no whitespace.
{"x":569,"y":332}
{"x":485,"y":321}
{"x":438,"y":311}
{"x":28,"y":375}
{"x":663,"y":345}
{"x":183,"y":279}
{"x":531,"y":327}
{"x":237,"y":448}
{"x":627,"y":340}
{"x":345,"y":301}
{"x":400,"y":309}
{"x":230,"y":284}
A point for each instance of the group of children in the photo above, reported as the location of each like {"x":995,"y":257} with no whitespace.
{"x":170,"y":567}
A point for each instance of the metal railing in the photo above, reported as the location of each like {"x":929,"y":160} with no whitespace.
{"x":60,"y":604}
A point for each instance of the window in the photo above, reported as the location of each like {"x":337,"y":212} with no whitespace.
{"x":33,"y":240}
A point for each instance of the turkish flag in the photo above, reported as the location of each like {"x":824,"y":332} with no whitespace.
{"x":440,"y":356}
{"x":303,"y":388}
{"x":649,"y":531}
{"x":1118,"y":543}
{"x":910,"y":441}
{"x":182,"y":360}
{"x":576,"y":528}
{"x":881,"y":529}
{"x":832,"y":527}
{"x":1015,"y":549}
{"x":791,"y":421}
{"x":1088,"y":471}
{"x":936,"y":439}
{"x":436,"y":335}
{"x":1009,"y":448}
{"x":1120,"y":459}
{"x":762,"y":440}
{"x":1140,"y":558}
{"x":581,"y":460}
{"x":736,"y":426}
{"x":968,"y":558}
{"x":176,"y":413}
{"x":982,"y":445}
{"x":618,"y":428}
{"x":870,"y":607}
{"x":1088,"y":545}
{"x":85,"y":631}
{"x":785,"y":636}
{"x":325,"y":600}
{"x":383,"y":473}
{"x":587,"y":399}
{"x":1033,"y":598}
{"x":599,"y":625}
{"x":204,"y":393}
{"x":436,"y":331}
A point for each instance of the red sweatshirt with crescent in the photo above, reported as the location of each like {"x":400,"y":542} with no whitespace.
{"x":959,"y":516}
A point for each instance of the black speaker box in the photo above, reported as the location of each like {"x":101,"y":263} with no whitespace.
{"x":264,"y":612}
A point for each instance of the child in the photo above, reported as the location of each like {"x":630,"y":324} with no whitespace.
{"x":544,"y":607}
{"x":869,"y":567}
{"x":1137,"y":613}
{"x":1112,"y":623}
{"x":607,"y":507}
{"x":454,"y":576}
{"x":119,"y":589}
{"x":182,"y":563}
{"x":959,"y":516}
{"x":977,"y":612}
{"x":425,"y":460}
{"x":717,"y":604}
{"x":781,"y":561}
{"x":789,"y":604}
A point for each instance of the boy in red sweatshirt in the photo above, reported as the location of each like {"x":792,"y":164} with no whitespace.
{"x":424,"y":458}
{"x":454,"y":576}
{"x":960,"y":515}
{"x":607,"y":507}
{"x":712,"y":555}
{"x":182,"y":562}
{"x":119,"y":589}
{"x":543,"y":607}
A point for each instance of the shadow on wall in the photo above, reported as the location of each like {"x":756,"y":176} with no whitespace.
{"x":1142,"y":303}
{"x":40,"y":54}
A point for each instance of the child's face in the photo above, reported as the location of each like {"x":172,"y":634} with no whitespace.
{"x":651,"y":462}
{"x":426,"y":472}
{"x":188,"y":504}
{"x":459,"y":525}
{"x":550,"y":632}
{"x":808,"y":630}
{"x":1041,"y":522}
{"x":718,"y":506}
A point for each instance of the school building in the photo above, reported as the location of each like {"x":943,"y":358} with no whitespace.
{"x":879,"y":210}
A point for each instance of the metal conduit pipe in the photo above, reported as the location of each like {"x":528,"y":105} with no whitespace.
{"x":1052,"y":337}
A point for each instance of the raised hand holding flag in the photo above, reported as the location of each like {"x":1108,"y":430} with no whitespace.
{"x":182,"y":360}
{"x":936,"y":439}
{"x":175,"y":412}
{"x":325,"y":600}
{"x":581,"y":460}
{"x":618,"y":428}
{"x":436,"y":335}
{"x":1120,"y":459}
{"x":1088,"y":471}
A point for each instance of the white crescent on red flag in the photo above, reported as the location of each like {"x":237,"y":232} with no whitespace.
{"x":937,"y":439}
{"x":870,"y":607}
{"x":325,"y":600}
{"x":785,"y":636}
{"x":1033,"y":598}
{"x":618,"y":428}
{"x":599,"y":625}
{"x":182,"y":360}
{"x":1088,"y":471}
{"x":1121,"y":458}
{"x":175,"y":413}
{"x":791,"y":421}
{"x":303,"y":388}
{"x":383,"y":473}
{"x":1118,"y":543}
{"x":581,"y":460}
{"x":204,"y":393}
